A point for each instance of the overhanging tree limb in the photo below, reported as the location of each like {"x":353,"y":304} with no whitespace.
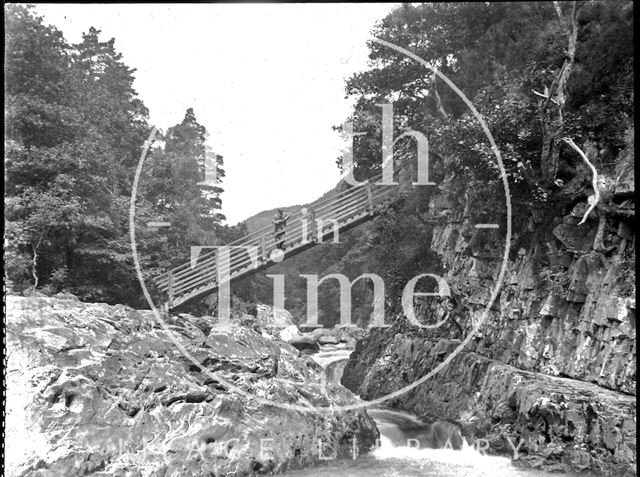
{"x":594,"y":179}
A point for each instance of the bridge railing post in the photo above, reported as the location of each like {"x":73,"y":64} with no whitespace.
{"x":369,"y":197}
{"x":314,"y":232}
{"x":263,"y":247}
{"x":170,"y":290}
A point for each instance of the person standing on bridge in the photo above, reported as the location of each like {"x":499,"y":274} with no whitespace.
{"x":279,"y":228}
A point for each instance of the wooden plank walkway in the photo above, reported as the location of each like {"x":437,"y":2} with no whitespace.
{"x":339,"y":212}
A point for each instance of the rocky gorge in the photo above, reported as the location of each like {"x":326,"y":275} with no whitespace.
{"x":553,"y":367}
{"x":104,"y":390}
{"x":488,"y":146}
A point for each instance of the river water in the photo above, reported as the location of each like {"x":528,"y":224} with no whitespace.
{"x":394,"y":458}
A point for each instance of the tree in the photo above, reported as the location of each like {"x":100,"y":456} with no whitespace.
{"x":181,"y":184}
{"x":185,"y":142}
{"x":38,"y":88}
{"x":173,"y":185}
{"x":105,"y":86}
{"x":74,"y":131}
{"x":536,"y":72}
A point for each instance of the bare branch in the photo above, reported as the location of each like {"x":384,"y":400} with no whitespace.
{"x":34,"y":267}
{"x":544,"y":96}
{"x":556,"y":5}
{"x":594,"y":179}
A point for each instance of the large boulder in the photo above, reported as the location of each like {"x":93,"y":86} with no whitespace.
{"x":304,"y":343}
{"x":328,"y":339}
{"x":272,"y":317}
{"x":105,"y":390}
{"x":319,"y":332}
{"x":350,"y":333}
{"x":340,"y":334}
{"x":574,"y":237}
{"x":289,"y":333}
{"x":308,"y":328}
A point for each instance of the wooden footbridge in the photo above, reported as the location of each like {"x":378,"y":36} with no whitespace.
{"x":313,"y":224}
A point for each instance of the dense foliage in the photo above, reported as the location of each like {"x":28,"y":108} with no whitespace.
{"x":75,"y":129}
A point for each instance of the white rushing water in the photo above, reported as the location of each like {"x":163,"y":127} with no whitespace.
{"x":397,"y":456}
{"x":331,"y":353}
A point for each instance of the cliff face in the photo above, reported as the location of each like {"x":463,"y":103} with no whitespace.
{"x":102,"y":390}
{"x":553,"y":364}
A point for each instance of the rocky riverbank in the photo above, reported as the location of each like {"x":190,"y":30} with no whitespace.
{"x":102,"y":390}
{"x":553,"y":367}
{"x":557,"y":424}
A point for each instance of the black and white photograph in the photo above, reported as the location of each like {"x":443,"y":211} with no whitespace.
{"x":319,"y":239}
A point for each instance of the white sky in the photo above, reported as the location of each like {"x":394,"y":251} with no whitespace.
{"x":266,"y":80}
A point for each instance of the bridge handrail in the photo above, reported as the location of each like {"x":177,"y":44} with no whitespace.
{"x":162,"y":279}
{"x":185,"y":282}
{"x":185,"y":268}
{"x":242,"y":259}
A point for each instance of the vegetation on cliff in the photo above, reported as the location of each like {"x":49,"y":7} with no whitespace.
{"x":539,"y":73}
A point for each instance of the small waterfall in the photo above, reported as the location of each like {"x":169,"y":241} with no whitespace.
{"x":405,"y":430}
{"x":335,"y":369}
{"x":333,"y":358}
